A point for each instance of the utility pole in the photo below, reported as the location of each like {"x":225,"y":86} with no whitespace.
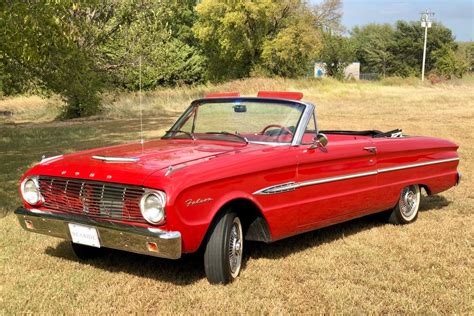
{"x":426,"y":23}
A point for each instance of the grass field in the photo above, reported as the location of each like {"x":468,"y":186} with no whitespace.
{"x":361,"y":266}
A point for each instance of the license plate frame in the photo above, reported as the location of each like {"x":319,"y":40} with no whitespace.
{"x":84,"y":235}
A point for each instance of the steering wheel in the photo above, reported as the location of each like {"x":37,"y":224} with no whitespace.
{"x":283,"y":128}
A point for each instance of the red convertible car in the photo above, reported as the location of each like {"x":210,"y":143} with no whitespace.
{"x":231,"y":169}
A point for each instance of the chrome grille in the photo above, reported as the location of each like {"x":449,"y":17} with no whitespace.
{"x":92,"y":198}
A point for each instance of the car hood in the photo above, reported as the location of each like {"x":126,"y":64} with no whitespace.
{"x":150,"y":157}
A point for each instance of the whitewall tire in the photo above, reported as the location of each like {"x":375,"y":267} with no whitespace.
{"x":408,"y":205}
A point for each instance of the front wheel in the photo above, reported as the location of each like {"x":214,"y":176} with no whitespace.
{"x":407,"y":207}
{"x":224,"y":249}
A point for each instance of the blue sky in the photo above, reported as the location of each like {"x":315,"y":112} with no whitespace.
{"x":458,"y":15}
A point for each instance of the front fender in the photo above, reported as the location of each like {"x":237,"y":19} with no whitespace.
{"x":194,"y":219}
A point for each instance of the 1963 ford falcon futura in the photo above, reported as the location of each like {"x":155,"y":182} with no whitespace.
{"x":231,"y":169}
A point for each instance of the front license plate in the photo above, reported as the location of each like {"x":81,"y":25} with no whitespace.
{"x":84,"y":235}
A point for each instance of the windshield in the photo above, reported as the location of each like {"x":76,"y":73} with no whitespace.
{"x":240,"y":121}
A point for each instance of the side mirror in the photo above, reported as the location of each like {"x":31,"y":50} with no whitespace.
{"x":320,"y":140}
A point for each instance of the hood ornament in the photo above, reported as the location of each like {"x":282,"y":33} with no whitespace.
{"x":116,"y":159}
{"x":172,"y":169}
{"x":169,"y":171}
{"x":45,"y":159}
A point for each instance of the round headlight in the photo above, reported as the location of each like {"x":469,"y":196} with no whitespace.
{"x":152,"y":206}
{"x":30,"y":191}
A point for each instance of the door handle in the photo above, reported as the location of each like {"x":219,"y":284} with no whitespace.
{"x":371,"y":149}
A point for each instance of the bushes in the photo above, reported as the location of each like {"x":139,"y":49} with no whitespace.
{"x":449,"y":63}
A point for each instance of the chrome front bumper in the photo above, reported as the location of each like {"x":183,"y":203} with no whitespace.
{"x":111,"y":235}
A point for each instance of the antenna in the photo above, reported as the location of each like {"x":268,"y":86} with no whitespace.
{"x":140,"y":100}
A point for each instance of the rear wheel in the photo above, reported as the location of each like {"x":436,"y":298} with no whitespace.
{"x":407,"y":207}
{"x":224,"y":249}
{"x":86,"y":252}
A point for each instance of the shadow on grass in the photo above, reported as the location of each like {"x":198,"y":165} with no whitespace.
{"x":184,"y":271}
{"x":298,"y":243}
{"x":190,"y":268}
{"x":434,"y":202}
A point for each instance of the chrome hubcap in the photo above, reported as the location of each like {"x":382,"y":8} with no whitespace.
{"x":409,"y":200}
{"x":235,"y":248}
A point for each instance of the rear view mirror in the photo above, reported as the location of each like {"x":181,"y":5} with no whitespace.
{"x":240,"y":108}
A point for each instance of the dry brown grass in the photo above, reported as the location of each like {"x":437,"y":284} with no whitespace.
{"x":361,"y":266}
{"x":30,"y":109}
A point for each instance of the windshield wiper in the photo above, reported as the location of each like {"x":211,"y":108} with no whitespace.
{"x":243,"y":138}
{"x":181,"y":131}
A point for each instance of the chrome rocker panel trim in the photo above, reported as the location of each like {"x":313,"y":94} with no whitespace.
{"x":111,"y":235}
{"x":290,"y":186}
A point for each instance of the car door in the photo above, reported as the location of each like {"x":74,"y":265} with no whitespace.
{"x":336,"y":182}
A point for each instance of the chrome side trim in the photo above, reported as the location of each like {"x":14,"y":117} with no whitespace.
{"x":279,"y":188}
{"x":414,"y":165}
{"x":116,"y":159}
{"x":291,"y":186}
{"x":338,"y":178}
{"x":269,"y":143}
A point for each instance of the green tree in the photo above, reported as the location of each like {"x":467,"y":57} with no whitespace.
{"x":407,"y":46}
{"x":232,"y":33}
{"x":449,"y":63}
{"x":337,"y":52}
{"x":292,"y":51}
{"x":466,"y":50}
{"x":372,"y":44}
{"x":79,"y":49}
{"x":263,"y":36}
{"x":38,"y":43}
{"x":160,"y":34}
